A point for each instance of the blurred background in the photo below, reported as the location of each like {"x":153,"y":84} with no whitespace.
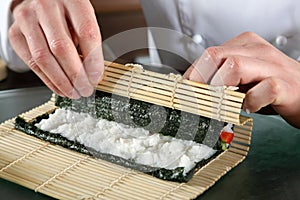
{"x":114,"y":16}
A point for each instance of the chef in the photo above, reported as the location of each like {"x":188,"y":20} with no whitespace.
{"x":253,"y":43}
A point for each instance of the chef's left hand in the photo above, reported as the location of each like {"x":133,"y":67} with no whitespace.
{"x":272,"y":78}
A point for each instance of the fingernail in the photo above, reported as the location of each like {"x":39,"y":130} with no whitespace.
{"x":217,"y":80}
{"x":86,"y":91}
{"x":74,"y":94}
{"x":95,"y":78}
{"x":248,"y":111}
{"x":207,"y":57}
{"x":193,"y":76}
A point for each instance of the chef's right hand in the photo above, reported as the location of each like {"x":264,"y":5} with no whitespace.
{"x":49,"y":37}
{"x":270,"y":77}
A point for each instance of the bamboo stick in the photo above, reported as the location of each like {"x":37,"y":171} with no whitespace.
{"x":164,"y":87}
{"x":123,"y":69}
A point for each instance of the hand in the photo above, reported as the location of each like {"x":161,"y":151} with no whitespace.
{"x":271,"y":77}
{"x":49,"y":37}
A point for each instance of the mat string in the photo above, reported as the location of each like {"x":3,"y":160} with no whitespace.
{"x":24,"y":156}
{"x":176,"y":81}
{"x":7,"y":128}
{"x":114,"y":182}
{"x":171,"y":190}
{"x":61,"y":173}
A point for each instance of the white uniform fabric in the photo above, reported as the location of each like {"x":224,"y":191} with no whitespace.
{"x":6,"y":51}
{"x":4,"y":23}
{"x":212,"y":22}
{"x":206,"y":22}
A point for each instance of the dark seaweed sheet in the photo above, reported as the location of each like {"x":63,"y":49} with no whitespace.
{"x":172,"y":122}
{"x":138,"y":114}
{"x":162,"y":173}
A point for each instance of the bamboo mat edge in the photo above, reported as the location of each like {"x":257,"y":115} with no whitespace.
{"x":152,"y":188}
{"x":173,"y":91}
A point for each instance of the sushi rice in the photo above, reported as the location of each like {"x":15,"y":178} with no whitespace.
{"x":136,"y":144}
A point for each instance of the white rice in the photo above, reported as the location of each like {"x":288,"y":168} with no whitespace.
{"x":125,"y":141}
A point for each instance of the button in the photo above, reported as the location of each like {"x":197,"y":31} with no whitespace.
{"x":281,"y":41}
{"x":198,"y":39}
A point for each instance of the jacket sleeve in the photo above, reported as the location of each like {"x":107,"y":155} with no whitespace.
{"x":6,"y":51}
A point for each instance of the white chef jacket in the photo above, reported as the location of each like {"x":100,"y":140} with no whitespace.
{"x":204,"y":22}
{"x":6,"y":51}
{"x":212,"y":22}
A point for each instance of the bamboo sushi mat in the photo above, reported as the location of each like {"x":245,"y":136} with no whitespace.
{"x":65,"y":174}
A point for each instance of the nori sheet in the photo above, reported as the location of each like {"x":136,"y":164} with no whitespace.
{"x":176,"y":175}
{"x":156,"y":119}
{"x":138,"y":114}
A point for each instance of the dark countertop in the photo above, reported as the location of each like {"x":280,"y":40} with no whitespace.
{"x":16,"y":80}
{"x":270,"y":171}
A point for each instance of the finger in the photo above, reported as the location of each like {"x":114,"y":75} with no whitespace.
{"x":188,"y":72}
{"x":89,"y":37}
{"x":85,"y":26}
{"x":214,"y":57}
{"x":94,"y":65}
{"x":36,"y":69}
{"x":19,"y":44}
{"x":269,"y":91}
{"x":62,"y":46}
{"x":243,"y":70}
{"x":41,"y":55}
{"x":204,"y":68}
{"x":245,"y":39}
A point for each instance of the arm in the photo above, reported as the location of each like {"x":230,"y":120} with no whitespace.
{"x":51,"y":36}
{"x":271,"y":77}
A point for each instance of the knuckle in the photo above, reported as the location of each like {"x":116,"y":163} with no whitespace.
{"x":39,"y":3}
{"x":274,"y":87}
{"x":60,"y":47}
{"x":33,"y":66}
{"x":13,"y":32}
{"x":22,"y":13}
{"x":40,"y":56}
{"x":249,"y":34}
{"x":89,"y":30}
{"x":234,"y":65}
{"x":215,"y":52}
{"x":252,"y":37}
